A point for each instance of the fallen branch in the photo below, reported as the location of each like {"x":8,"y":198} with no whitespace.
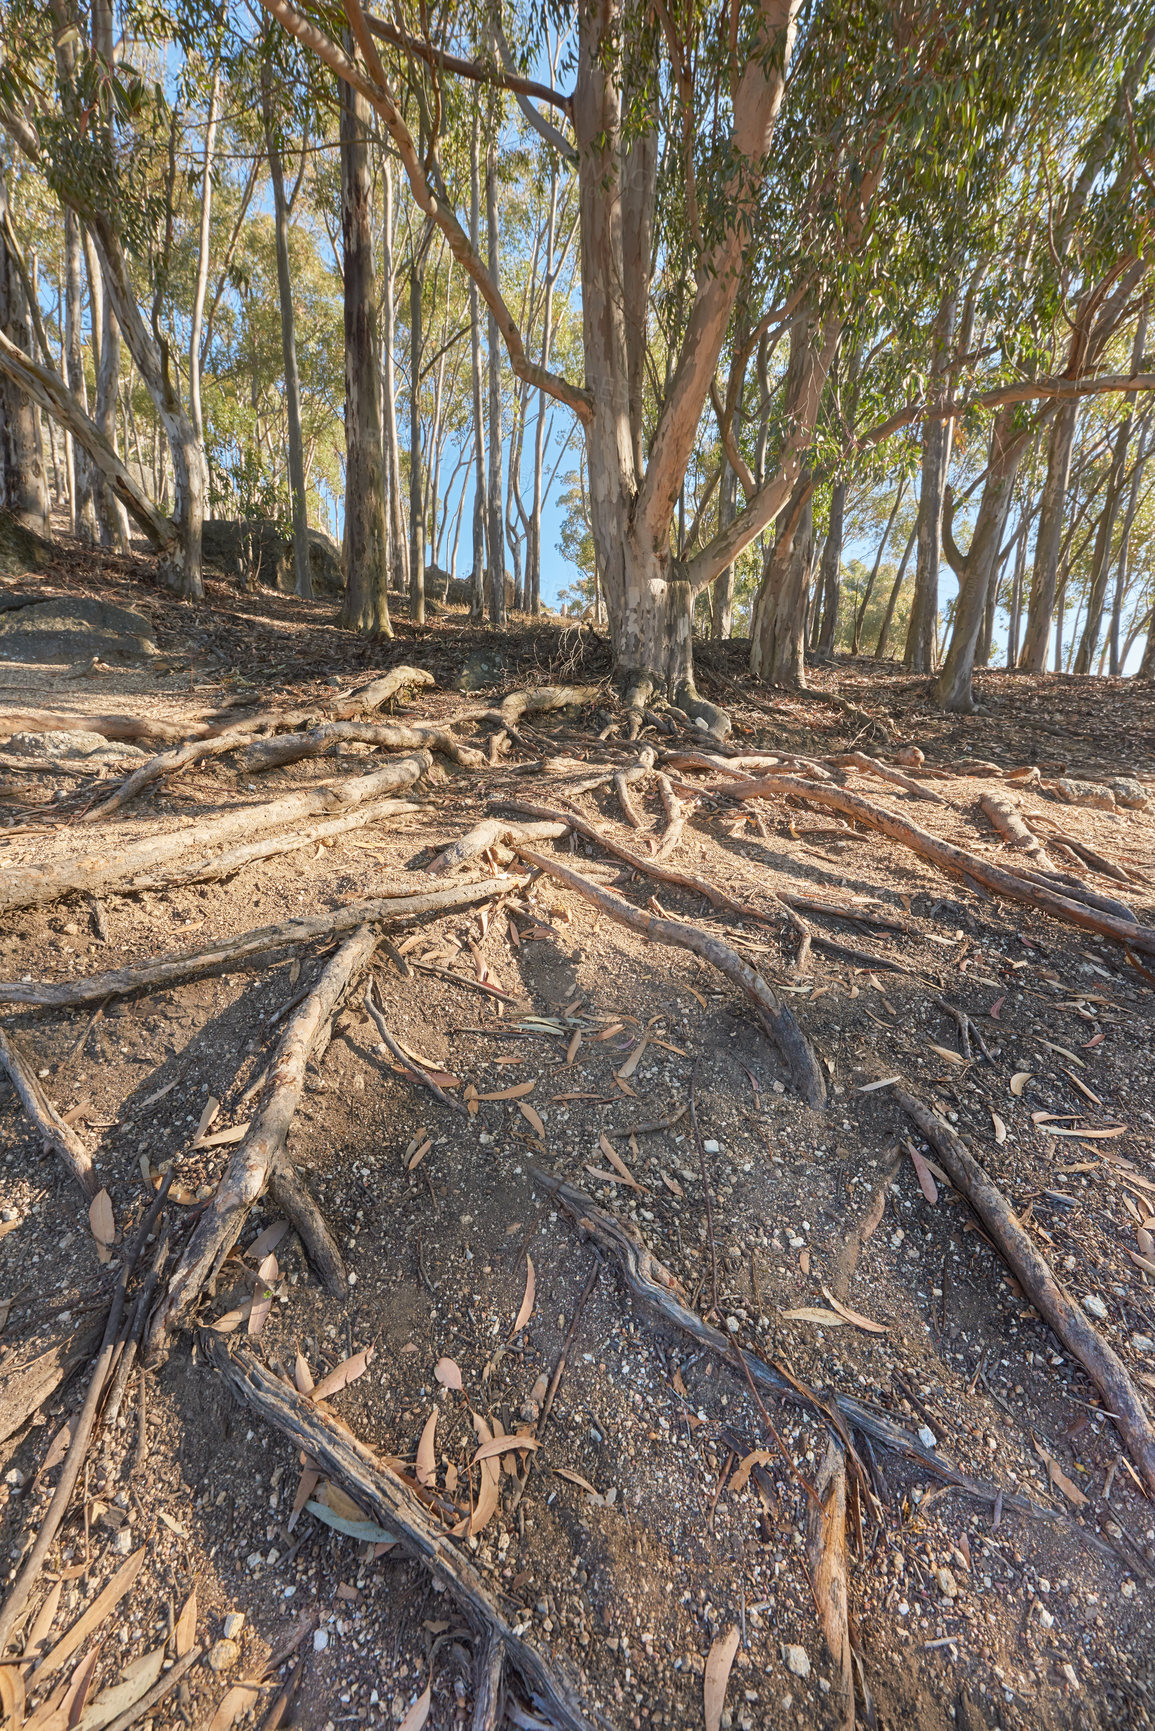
{"x":33,"y":886}
{"x":263,"y":1148}
{"x":872,"y":766}
{"x":237,"y":951}
{"x":1030,"y":892}
{"x":54,"y":1132}
{"x":827,"y":1557}
{"x":1007,"y":820}
{"x":380,"y":690}
{"x":778,"y":1022}
{"x":1067,"y":1320}
{"x":164,"y":764}
{"x":377,"y":1489}
{"x":541,"y":697}
{"x":494,"y":832}
{"x":386,"y":736}
{"x":131,"y":727}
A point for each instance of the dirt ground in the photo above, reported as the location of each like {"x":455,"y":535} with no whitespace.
{"x":625,"y":1552}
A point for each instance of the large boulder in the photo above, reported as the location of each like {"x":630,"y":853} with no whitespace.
{"x":21,"y":551}
{"x":256,"y":550}
{"x":74,"y":628}
{"x":456,"y":591}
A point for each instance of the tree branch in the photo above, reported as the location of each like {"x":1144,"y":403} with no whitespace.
{"x":506,"y":79}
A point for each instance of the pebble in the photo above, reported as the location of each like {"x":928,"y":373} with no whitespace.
{"x":320,"y":1640}
{"x":1094,"y":1306}
{"x":947,"y":1585}
{"x":223,"y":1655}
{"x":234,"y":1623}
{"x":712,"y":1147}
{"x":927,"y":1437}
{"x":796,"y":1660}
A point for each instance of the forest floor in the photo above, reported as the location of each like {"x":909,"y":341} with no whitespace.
{"x":635,"y":1543}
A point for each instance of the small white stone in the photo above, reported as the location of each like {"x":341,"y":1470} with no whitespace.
{"x":320,"y":1640}
{"x":927,"y":1437}
{"x":233,"y":1624}
{"x":796,"y":1660}
{"x":711,"y":1147}
{"x":733,"y":1324}
{"x":947,"y":1585}
{"x":1094,"y":1306}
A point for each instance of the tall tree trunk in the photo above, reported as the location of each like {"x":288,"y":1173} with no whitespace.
{"x":1105,"y":534}
{"x":936,"y":448}
{"x":831,"y":569}
{"x":303,"y":575}
{"x":83,"y":516}
{"x":860,"y":613}
{"x":366,"y":603}
{"x":23,"y":483}
{"x":398,"y":539}
{"x":778,"y":626}
{"x":976,"y":570}
{"x":203,"y":248}
{"x":1049,"y":538}
{"x":416,"y":474}
{"x":892,"y":601}
{"x":1016,"y":611}
{"x":533,"y":540}
{"x":1122,"y":569}
{"x":477,"y":603}
{"x":495,"y":537}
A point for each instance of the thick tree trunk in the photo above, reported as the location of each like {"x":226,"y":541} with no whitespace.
{"x":1048,"y":539}
{"x":936,"y":448}
{"x":23,"y":483}
{"x":778,"y":628}
{"x":203,"y":249}
{"x":366,"y":604}
{"x":416,"y":473}
{"x":977,"y":570}
{"x":304,"y":580}
{"x":83,"y":516}
{"x":495,"y":537}
{"x":832,"y":570}
{"x":398,"y":539}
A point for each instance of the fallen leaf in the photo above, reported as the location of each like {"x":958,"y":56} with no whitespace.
{"x":173,"y":1526}
{"x":1087,"y":1135}
{"x":756,"y":1458}
{"x":813,"y":1313}
{"x":208,"y":1116}
{"x":1058,"y":1477}
{"x":447,"y":1373}
{"x":137,"y":1679}
{"x":532,"y":1119}
{"x":526,"y":1310}
{"x":873,"y":1087}
{"x":419,"y":1155}
{"x":926,"y":1182}
{"x":306,"y":1485}
{"x":514,"y":1093}
{"x":232,"y":1319}
{"x":718,"y":1663}
{"x":670,"y":1183}
{"x":617,"y":1162}
{"x":268,"y":1240}
{"x":1019,"y":1081}
{"x":151,"y":1099}
{"x":268,"y":1274}
{"x":996,"y":1007}
{"x":574,"y":1479}
{"x":853,"y":1316}
{"x":12,"y":1696}
{"x":804,"y":1259}
{"x":489,"y":1491}
{"x":346,"y":1372}
{"x":426,"y":1456}
{"x":419,"y":1712}
{"x":103,"y":1224}
{"x":1146,"y":1263}
{"x":470,"y":1097}
{"x":238,"y":1700}
{"x":184,"y":1633}
{"x":634,"y":1059}
{"x":302,"y":1375}
{"x":91,"y":1619}
{"x":500,"y":1445}
{"x":946,"y":1054}
{"x":999,"y":1127}
{"x":222,"y":1138}
{"x":572,"y":1049}
{"x":42,"y":1624}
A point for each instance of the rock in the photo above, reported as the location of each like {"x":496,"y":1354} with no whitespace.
{"x":21,"y":551}
{"x":484,"y":667}
{"x":927,"y":1437}
{"x":55,"y":745}
{"x":234,"y":1623}
{"x":256,"y":550}
{"x":1094,"y":1306}
{"x":947,"y":1585}
{"x":796,"y":1660}
{"x":223,"y":1655}
{"x":74,"y":628}
{"x":1129,"y":792}
{"x":910,"y":757}
{"x":1092,"y":794}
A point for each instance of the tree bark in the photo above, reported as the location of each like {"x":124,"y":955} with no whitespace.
{"x":892,"y":601}
{"x":832,"y":570}
{"x":304,"y":580}
{"x":203,"y":251}
{"x":366,"y":604}
{"x":416,"y":474}
{"x":936,"y":448}
{"x":495,"y":529}
{"x":1122,"y":571}
{"x":778,"y":628}
{"x":398,"y":539}
{"x":23,"y":483}
{"x":1105,"y":533}
{"x":83,"y":517}
{"x":1048,"y":539}
{"x":860,"y":614}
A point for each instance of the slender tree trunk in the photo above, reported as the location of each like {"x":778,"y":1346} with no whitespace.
{"x":1122,"y":569}
{"x":416,"y":475}
{"x":936,"y":449}
{"x":1048,"y":539}
{"x":203,"y":248}
{"x":1017,"y":590}
{"x":1105,"y":534}
{"x":23,"y":483}
{"x":477,"y":603}
{"x":778,"y":626}
{"x":892,"y":601}
{"x":304,"y":580}
{"x":832,"y":570}
{"x":860,"y":613}
{"x":533,"y":544}
{"x":366,"y":603}
{"x":83,"y":515}
{"x":399,"y":540}
{"x":495,"y":538}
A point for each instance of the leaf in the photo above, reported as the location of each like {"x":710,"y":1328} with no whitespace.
{"x":185,"y":1631}
{"x":671,"y":1183}
{"x":223,"y":1138}
{"x":532,"y":1119}
{"x":173,"y":1526}
{"x":263,"y":1297}
{"x":489,"y":1492}
{"x":999,"y":1127}
{"x":517,"y":1092}
{"x":617,"y":1162}
{"x":207,"y":1117}
{"x":232,"y":1319}
{"x":102,"y":1222}
{"x":419,"y":1155}
{"x":814,"y":1313}
{"x":426,"y":1456}
{"x":718,"y":1663}
{"x":922,"y":1172}
{"x":42,"y":1624}
{"x":306,"y":1485}
{"x":756,"y":1458}
{"x":574,"y":1046}
{"x":471,"y":1098}
{"x":12,"y":1695}
{"x":1019,"y":1081}
{"x":346,"y":1372}
{"x":419,"y":1712}
{"x":447,"y":1373}
{"x":873,"y":1087}
{"x":136,"y":1680}
{"x":634,"y":1059}
{"x":947,"y":1055}
{"x":238,"y":1700}
{"x":91,"y":1619}
{"x":1085,"y":1135}
{"x":526,"y":1310}
{"x":574,"y":1479}
{"x":339,"y":1502}
{"x":368,"y":1532}
{"x":500,"y":1445}
{"x":853,"y":1316}
{"x":1058,"y":1477}
{"x":67,"y":1710}
{"x":996,"y":1007}
{"x":302,"y":1375}
{"x":267,"y":1240}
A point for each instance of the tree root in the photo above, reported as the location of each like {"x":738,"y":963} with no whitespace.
{"x":263,"y":1148}
{"x":1031,"y":891}
{"x":375,"y":1487}
{"x":380,"y":690}
{"x":236,"y":952}
{"x":386,"y":736}
{"x":493,"y":832}
{"x":1067,"y":1320}
{"x":34,"y":886}
{"x":777,"y":1022}
{"x":54,"y":1132}
{"x":129,"y":727}
{"x":872,"y":766}
{"x":828,"y":1577}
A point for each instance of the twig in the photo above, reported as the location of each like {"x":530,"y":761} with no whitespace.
{"x":165,"y":1684}
{"x":46,"y":1120}
{"x":415,"y":1071}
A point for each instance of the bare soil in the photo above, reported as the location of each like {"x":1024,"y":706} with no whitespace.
{"x":966,"y":1614}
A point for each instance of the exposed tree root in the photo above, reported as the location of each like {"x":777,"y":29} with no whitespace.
{"x":378,"y":691}
{"x":872,"y":766}
{"x":386,"y":736}
{"x":488,"y":1667}
{"x":375,"y":1487}
{"x":494,"y":832}
{"x":828,"y":1579}
{"x":33,"y":886}
{"x":263,"y":1148}
{"x":165,"y":764}
{"x":1030,"y":891}
{"x":777,"y":1022}
{"x":537,"y":698}
{"x":130,"y":727}
{"x":1007,"y":819}
{"x":237,"y":951}
{"x":222,"y":865}
{"x":63,"y":1140}
{"x":1068,"y":1321}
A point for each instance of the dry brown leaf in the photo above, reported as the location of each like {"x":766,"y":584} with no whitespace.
{"x":426,"y":1454}
{"x":101,"y":1607}
{"x":617,"y":1162}
{"x":232,"y":1319}
{"x":1058,"y":1477}
{"x":238,"y":1700}
{"x":671,"y":1183}
{"x":718,"y":1663}
{"x":306,"y":1485}
{"x":12,"y":1696}
{"x":999,"y":1127}
{"x":946,"y":1054}
{"x":923,"y":1173}
{"x":447,"y":1373}
{"x":1086,"y":1135}
{"x":419,"y":1155}
{"x":346,"y":1372}
{"x":266,"y":1241}
{"x":489,"y":1492}
{"x":208,"y":1116}
{"x":223,"y":1138}
{"x":302,"y":1375}
{"x":853,"y":1315}
{"x":634,"y":1059}
{"x":756,"y":1458}
{"x":574,"y":1479}
{"x":1146,"y":1263}
{"x":471,"y":1098}
{"x":42,"y":1624}
{"x":526,"y":1310}
{"x":500,"y":1445}
{"x":262,"y":1303}
{"x":1019,"y":1081}
{"x":514,"y":1093}
{"x":185,"y":1631}
{"x":574,"y":1046}
{"x":340,"y":1503}
{"x":804,"y":1259}
{"x":103,"y":1223}
{"x":419,"y":1712}
{"x":136,"y":1680}
{"x":65,"y":1710}
{"x":814,"y":1313}
{"x":532,"y":1119}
